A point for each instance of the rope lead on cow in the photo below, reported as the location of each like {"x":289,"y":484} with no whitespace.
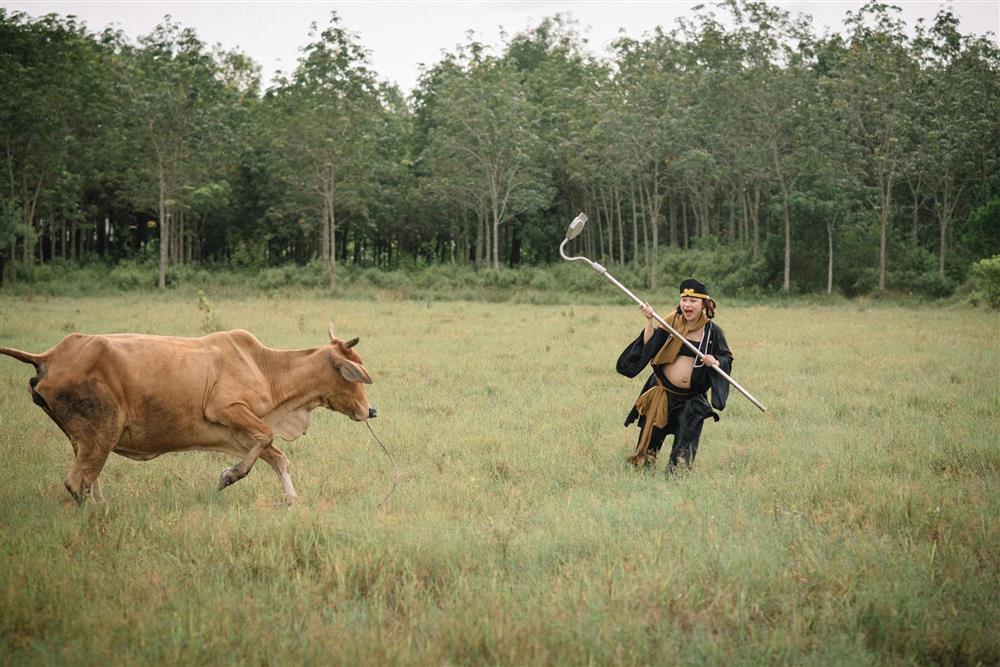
{"x":395,"y":468}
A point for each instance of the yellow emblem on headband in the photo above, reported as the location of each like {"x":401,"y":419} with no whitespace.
{"x":697,"y":295}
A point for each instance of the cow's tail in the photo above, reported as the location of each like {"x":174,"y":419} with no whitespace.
{"x":28,"y":358}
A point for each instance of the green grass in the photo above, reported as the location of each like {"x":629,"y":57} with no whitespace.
{"x":856,"y":523}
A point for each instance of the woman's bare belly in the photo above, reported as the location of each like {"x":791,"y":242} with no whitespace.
{"x":679,"y":372}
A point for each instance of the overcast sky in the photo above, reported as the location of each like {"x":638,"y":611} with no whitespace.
{"x":403,"y":35}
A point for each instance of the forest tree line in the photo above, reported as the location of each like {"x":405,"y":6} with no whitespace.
{"x":856,"y":161}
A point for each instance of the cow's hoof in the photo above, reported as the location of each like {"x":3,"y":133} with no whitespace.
{"x":78,"y":496}
{"x":229,"y":476}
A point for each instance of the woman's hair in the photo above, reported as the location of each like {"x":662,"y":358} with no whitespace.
{"x":709,"y":305}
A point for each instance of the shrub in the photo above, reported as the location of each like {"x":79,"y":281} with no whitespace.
{"x":985,"y":276}
{"x":726,"y":270}
{"x":502,"y":279}
{"x":915,"y":271}
{"x":130,"y":276}
{"x":543,"y":281}
{"x":249,"y":254}
{"x":276,"y":277}
{"x":857,"y":281}
{"x":929,"y":284}
{"x":982,"y":235}
{"x":37,"y":273}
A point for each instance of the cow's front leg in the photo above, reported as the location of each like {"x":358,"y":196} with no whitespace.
{"x":250,"y":431}
{"x":95,"y":490}
{"x":235,"y":473}
{"x":277,"y":460}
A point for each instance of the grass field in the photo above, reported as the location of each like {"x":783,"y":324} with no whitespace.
{"x":856,"y":523}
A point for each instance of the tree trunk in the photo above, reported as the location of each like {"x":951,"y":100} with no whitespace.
{"x":943,"y":218}
{"x":610,"y":217}
{"x":755,"y":216}
{"x":654,"y":221}
{"x":600,"y":229}
{"x":786,"y":282}
{"x":326,"y":187}
{"x":946,"y":211}
{"x":829,"y":255}
{"x":496,"y":241}
{"x":514,"y":232}
{"x":731,"y":229}
{"x":672,"y":208}
{"x":886,"y":197}
{"x":480,"y":224}
{"x":685,"y":234}
{"x":645,"y":227}
{"x":29,"y":207}
{"x":181,"y":240}
{"x":744,"y":219}
{"x":324,"y":236}
{"x":164,"y":229}
{"x":706,"y":215}
{"x":695,"y":207}
{"x":635,"y":228}
{"x":621,"y":227}
{"x":916,"y":186}
{"x":101,"y":244}
{"x":333,"y":223}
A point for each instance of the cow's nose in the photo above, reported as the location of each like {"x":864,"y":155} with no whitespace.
{"x":372,"y":412}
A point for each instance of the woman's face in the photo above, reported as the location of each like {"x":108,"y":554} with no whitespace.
{"x":691,"y":307}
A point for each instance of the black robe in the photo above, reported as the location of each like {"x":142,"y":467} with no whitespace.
{"x":686,"y":426}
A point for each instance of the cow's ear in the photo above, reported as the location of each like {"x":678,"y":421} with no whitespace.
{"x":333,"y":336}
{"x":353,"y":372}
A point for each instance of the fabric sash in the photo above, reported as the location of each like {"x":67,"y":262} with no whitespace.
{"x":668,"y":353}
{"x":654,"y":405}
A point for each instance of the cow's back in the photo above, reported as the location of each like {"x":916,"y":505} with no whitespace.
{"x":154,"y":387}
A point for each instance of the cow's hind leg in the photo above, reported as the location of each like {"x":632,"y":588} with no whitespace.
{"x":82,"y":478}
{"x":277,"y":460}
{"x":87,"y":414}
{"x":250,"y":431}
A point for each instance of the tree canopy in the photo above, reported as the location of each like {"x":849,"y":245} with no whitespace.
{"x":856,"y":161}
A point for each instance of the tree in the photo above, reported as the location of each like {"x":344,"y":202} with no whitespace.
{"x":652,"y":95}
{"x":484,"y":136}
{"x":174,"y":96}
{"x":873,"y":82}
{"x":12,"y":228}
{"x":51,"y":75}
{"x":323,"y":125}
{"x":957,"y":116}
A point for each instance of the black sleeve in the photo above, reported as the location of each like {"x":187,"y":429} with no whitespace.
{"x":637,"y":355}
{"x":720,"y":350}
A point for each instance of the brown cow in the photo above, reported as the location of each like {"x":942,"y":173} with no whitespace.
{"x":142,"y":396}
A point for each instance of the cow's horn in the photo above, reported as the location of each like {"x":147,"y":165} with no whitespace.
{"x":351,"y":343}
{"x":333,"y":336}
